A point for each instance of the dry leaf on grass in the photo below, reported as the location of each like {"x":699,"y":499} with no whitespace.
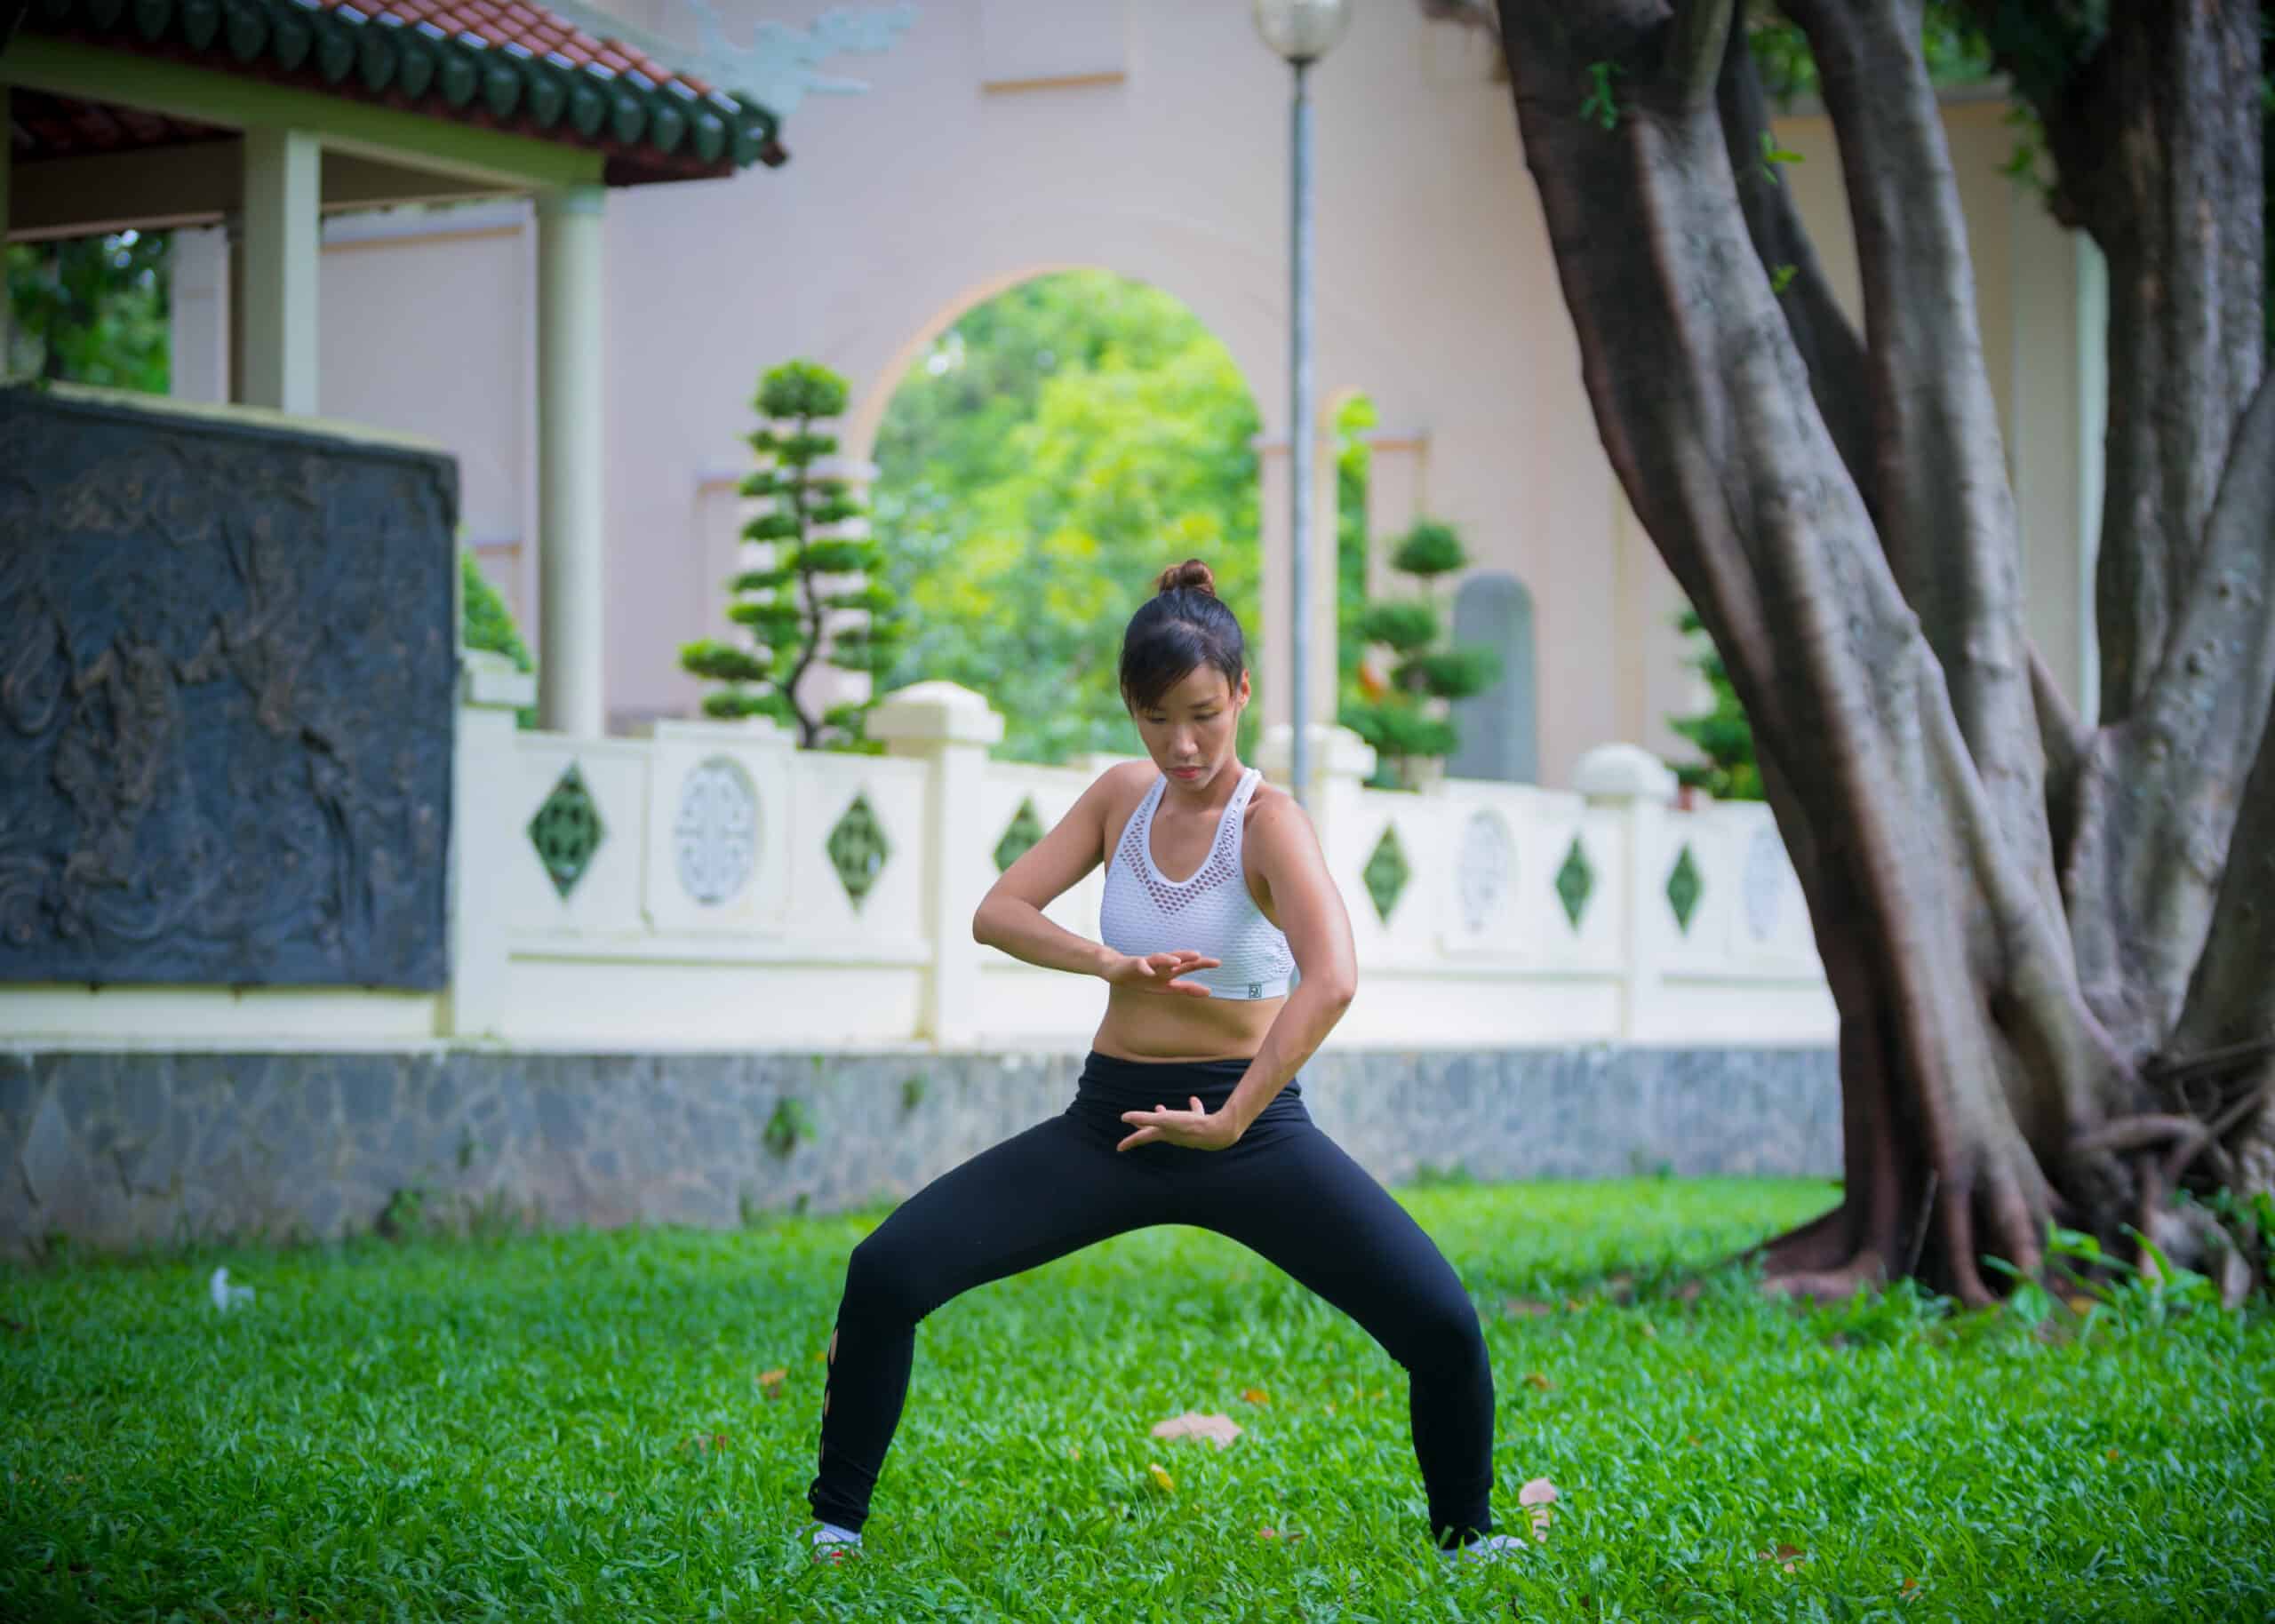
{"x":770,"y":1382}
{"x":1537,"y":1379}
{"x":1787,"y":1556}
{"x":1256,"y":1395}
{"x":1168,"y":1484}
{"x":1219,"y":1430}
{"x":1537,"y":1497}
{"x":1517,"y":1308}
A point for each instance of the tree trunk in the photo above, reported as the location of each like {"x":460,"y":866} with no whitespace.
{"x":1850,"y":494}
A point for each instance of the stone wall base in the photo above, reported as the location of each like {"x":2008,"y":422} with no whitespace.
{"x":122,"y":1149}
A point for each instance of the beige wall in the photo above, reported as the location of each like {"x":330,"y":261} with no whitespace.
{"x":905,"y":205}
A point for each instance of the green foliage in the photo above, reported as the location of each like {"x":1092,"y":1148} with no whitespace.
{"x":1404,"y":625}
{"x":1353,"y":417}
{"x":1600,"y":104}
{"x":791,"y":1124}
{"x":89,"y":310}
{"x":1429,"y":550}
{"x":1403,"y":718}
{"x":481,"y":1437}
{"x":1723,"y":733}
{"x":1956,"y":49}
{"x":1053,"y":451}
{"x":790,"y":603}
{"x":486,"y":622}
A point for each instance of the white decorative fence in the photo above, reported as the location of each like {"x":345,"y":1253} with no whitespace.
{"x":711,"y":886}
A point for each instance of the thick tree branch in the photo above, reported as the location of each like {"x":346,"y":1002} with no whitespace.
{"x":1821,"y":330}
{"x":2160,"y":815}
{"x":2156,"y":138}
{"x":1702,"y":28}
{"x":1945,"y":510}
{"x":2231,"y":995}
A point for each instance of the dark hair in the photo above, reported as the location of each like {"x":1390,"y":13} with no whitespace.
{"x":1182,"y":627}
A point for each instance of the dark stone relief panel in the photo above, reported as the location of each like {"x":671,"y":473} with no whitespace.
{"x":225,"y":701}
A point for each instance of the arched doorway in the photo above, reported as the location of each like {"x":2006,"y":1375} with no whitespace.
{"x":1038,"y":463}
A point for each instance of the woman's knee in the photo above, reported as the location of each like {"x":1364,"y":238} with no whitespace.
{"x":1442,"y":1335}
{"x":886,"y":1280}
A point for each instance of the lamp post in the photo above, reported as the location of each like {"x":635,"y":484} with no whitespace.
{"x":1302,"y":31}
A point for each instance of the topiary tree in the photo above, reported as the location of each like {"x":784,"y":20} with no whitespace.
{"x":1403,"y":717}
{"x":796,"y":605}
{"x":484,"y":622}
{"x":1722,"y":732}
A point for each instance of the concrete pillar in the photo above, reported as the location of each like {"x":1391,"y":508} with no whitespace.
{"x":950,"y":728}
{"x":198,"y":302}
{"x":1272,"y":655}
{"x":487,"y":816}
{"x":571,"y":518}
{"x":1636,"y":784}
{"x":283,"y":213}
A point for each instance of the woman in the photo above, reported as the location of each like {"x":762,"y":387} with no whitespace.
{"x":1200,"y":1010}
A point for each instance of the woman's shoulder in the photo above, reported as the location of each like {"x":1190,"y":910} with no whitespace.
{"x":1125,"y":780}
{"x":1269,"y":806}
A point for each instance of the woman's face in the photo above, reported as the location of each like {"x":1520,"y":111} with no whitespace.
{"x":1189,"y":731}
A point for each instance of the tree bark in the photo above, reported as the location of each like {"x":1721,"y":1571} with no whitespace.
{"x":1968,"y":849}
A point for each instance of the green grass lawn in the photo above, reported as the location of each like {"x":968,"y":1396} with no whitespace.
{"x":575,"y":1425}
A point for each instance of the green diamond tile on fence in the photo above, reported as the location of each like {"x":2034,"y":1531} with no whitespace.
{"x":1386,"y":872}
{"x":857,"y":849}
{"x":1023,"y":831}
{"x":567,"y":831}
{"x":1574,"y":880}
{"x":1683,"y":887}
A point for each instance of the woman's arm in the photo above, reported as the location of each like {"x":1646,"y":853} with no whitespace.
{"x":1011,"y":917}
{"x":1319,"y":933}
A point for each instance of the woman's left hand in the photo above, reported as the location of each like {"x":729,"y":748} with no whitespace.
{"x":1197,"y":1129}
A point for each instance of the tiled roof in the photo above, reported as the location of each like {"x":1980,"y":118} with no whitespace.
{"x":541,"y":31}
{"x":504,"y":64}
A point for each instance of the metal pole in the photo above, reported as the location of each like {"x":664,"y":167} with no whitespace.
{"x":1299,"y":431}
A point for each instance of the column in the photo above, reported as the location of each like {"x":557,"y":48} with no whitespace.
{"x":1271,"y":656}
{"x":571,"y":521}
{"x":1640,"y":786}
{"x":486,"y":818}
{"x":952,"y":728}
{"x":281,"y":213}
{"x":199,"y":303}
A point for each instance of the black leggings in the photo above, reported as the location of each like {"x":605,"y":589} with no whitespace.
{"x":1286,"y":1190}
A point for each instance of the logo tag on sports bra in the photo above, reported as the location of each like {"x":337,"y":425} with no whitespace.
{"x":1256,"y":988}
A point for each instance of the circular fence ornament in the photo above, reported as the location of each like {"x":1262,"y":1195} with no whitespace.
{"x":715,"y":834}
{"x":1765,"y":883}
{"x":1487,"y":855}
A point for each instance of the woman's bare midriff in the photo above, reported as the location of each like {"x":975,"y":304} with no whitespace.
{"x":1177,"y":1026}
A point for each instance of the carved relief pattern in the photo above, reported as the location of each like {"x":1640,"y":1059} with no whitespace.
{"x":225,"y":701}
{"x":716,"y":832}
{"x":1487,"y":856}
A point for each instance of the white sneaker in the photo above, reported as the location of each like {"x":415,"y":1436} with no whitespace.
{"x":1492,"y":1547}
{"x":831,"y":1543}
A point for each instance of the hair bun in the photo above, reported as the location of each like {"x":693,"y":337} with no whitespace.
{"x":1191,"y":575}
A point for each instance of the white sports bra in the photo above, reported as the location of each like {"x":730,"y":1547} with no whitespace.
{"x":1211,"y":912}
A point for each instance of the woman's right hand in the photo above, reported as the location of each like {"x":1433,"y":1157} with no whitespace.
{"x":1159,"y":972}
